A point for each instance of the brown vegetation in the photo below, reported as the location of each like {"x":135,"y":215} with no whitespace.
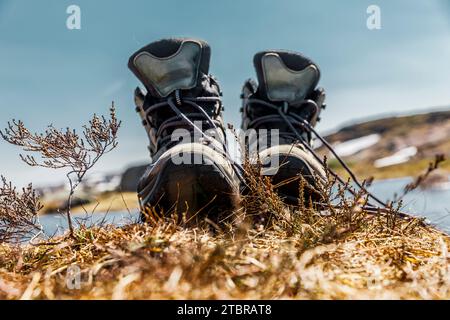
{"x":18,"y":212}
{"x":266,"y":250}
{"x":65,"y":149}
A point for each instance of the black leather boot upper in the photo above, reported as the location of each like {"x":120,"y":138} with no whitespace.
{"x":175,"y":69}
{"x":289,"y":81}
{"x":281,"y":102}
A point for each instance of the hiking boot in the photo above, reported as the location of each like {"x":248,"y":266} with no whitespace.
{"x":191,"y":173}
{"x":286,"y":99}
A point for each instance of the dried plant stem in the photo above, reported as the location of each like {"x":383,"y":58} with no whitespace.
{"x":65,"y":149}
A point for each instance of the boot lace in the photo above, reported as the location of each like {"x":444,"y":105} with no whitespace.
{"x":175,"y":102}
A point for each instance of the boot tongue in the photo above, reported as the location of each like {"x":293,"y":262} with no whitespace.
{"x":171,"y":64}
{"x":285,"y":76}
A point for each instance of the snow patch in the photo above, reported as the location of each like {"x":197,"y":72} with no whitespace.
{"x":353,"y":146}
{"x":400,"y":156}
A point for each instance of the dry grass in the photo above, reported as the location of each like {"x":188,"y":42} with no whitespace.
{"x":267,"y":250}
{"x":169,"y":262}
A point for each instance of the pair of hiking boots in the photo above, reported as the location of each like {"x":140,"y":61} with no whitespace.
{"x":192,"y":171}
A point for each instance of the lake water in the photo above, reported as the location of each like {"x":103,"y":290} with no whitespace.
{"x":434,"y":204}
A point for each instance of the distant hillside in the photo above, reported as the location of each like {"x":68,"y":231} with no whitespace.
{"x":393,"y":147}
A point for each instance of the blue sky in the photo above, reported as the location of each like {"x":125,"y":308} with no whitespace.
{"x":49,"y":74}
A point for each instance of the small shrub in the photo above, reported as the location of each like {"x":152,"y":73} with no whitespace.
{"x":66,"y":149}
{"x":18,"y":212}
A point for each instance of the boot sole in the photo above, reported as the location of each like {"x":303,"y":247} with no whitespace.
{"x":192,"y":192}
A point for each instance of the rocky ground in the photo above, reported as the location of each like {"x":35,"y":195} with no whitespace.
{"x":411,"y":141}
